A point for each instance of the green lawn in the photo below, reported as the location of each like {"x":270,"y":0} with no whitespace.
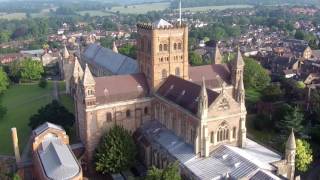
{"x":12,"y":16}
{"x":67,"y":102}
{"x":207,"y":8}
{"x":21,"y":102}
{"x":95,"y":13}
{"x":141,"y":8}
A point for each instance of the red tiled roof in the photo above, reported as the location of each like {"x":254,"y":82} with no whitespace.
{"x":120,"y":88}
{"x":184,"y":93}
{"x":210,"y":72}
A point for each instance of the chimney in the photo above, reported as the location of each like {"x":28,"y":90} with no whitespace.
{"x":15,"y":144}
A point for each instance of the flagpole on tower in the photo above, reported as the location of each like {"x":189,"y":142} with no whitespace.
{"x":180,"y":12}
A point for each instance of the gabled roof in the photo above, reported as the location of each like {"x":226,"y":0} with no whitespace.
{"x":161,"y":23}
{"x":121,"y":88}
{"x":210,"y":72}
{"x":116,"y":63}
{"x":57,"y":160}
{"x":184,"y":93}
{"x":45,"y":127}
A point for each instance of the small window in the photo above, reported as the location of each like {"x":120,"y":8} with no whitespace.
{"x":109,"y":117}
{"x":179,"y":46}
{"x":178,"y":71}
{"x":160,"y":47}
{"x":211,"y":137}
{"x":146,"y":110}
{"x":165,"y":48}
{"x":128,"y":113}
{"x":175,"y":46}
{"x":234,"y":132}
{"x":164,"y":74}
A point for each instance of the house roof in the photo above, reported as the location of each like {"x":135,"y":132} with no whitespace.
{"x":121,"y":88}
{"x":58,"y":160}
{"x":210,"y":72}
{"x":116,"y":63}
{"x":184,"y":93}
{"x":46,"y":126}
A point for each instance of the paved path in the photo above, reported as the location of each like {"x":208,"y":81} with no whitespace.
{"x":55,"y":90}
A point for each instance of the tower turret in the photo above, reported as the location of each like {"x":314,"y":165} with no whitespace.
{"x":217,"y":55}
{"x":114,"y":47}
{"x":203,"y":101}
{"x":290,"y":155}
{"x":237,"y":72}
{"x":77,"y":71}
{"x":66,"y":54}
{"x":89,"y":88}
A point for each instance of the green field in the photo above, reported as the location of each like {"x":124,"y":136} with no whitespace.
{"x":95,"y":13}
{"x":141,"y":8}
{"x":220,"y":8}
{"x":12,"y":16}
{"x":21,"y":102}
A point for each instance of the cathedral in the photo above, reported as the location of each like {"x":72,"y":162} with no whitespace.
{"x":176,"y":112}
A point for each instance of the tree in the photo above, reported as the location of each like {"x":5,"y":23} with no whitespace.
{"x":116,"y":151}
{"x":299,"y":35}
{"x":31,"y":69}
{"x":304,"y":155}
{"x":129,"y":50}
{"x":271,"y":93}
{"x":195,"y":59}
{"x":4,"y":36}
{"x":171,"y":172}
{"x":54,"y":113}
{"x":14,"y":71}
{"x":255,"y":76}
{"x":292,"y":120}
{"x":4,"y":81}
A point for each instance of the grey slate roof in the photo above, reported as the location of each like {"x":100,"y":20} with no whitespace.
{"x":116,"y":63}
{"x":223,"y":161}
{"x":46,"y":126}
{"x":57,"y":160}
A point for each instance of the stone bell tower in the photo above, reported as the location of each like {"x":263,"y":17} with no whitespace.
{"x":162,"y":51}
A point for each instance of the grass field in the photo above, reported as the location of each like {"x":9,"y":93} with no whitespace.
{"x":21,"y":102}
{"x":207,"y":8}
{"x":12,"y":16}
{"x":67,"y":102}
{"x":95,"y":13}
{"x":141,"y":8}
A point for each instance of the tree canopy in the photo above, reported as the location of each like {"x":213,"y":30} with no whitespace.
{"x":129,"y":50}
{"x":31,"y":69}
{"x":304,"y":155}
{"x":255,"y":76}
{"x":116,"y":151}
{"x":292,"y":120}
{"x":4,"y":81}
{"x":171,"y":172}
{"x":54,"y":113}
{"x":195,"y":59}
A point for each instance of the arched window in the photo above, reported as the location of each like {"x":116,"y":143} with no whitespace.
{"x":109,"y":117}
{"x":234,"y":132}
{"x":146,"y":110}
{"x":164,"y":74}
{"x":142,"y":45}
{"x":160,"y":47}
{"x":128,"y":113}
{"x":175,"y":46}
{"x":179,"y":46}
{"x":177,"y":71}
{"x":211,"y":136}
{"x":165,"y":47}
{"x":223,"y":132}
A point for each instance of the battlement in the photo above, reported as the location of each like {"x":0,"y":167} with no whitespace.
{"x":151,"y":26}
